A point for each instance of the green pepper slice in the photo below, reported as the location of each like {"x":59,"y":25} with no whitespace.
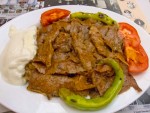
{"x":97,"y":16}
{"x":82,"y":103}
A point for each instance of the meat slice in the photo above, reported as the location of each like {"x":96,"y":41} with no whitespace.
{"x":97,"y":40}
{"x":134,"y":83}
{"x":49,"y":84}
{"x":63,"y":42}
{"x":82,"y":45}
{"x":65,"y":63}
{"x":45,"y":49}
{"x":65,"y":67}
{"x":64,"y":59}
{"x":64,"y":24}
{"x":86,"y":57}
{"x":103,"y":30}
{"x":129,"y":81}
{"x":104,"y":70}
{"x":41,"y":68}
{"x":101,"y":44}
{"x":112,"y":40}
{"x":84,"y":81}
{"x":101,"y":82}
{"x":45,"y":53}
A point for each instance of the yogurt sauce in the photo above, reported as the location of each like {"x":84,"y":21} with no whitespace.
{"x":20,"y":49}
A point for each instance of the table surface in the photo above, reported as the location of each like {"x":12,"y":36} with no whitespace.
{"x":142,"y":105}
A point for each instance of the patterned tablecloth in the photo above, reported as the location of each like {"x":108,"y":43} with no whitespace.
{"x":9,"y":9}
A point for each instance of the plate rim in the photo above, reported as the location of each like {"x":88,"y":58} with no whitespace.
{"x":46,"y":8}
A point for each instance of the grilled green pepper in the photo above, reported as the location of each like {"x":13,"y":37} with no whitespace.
{"x":82,"y":103}
{"x":97,"y":16}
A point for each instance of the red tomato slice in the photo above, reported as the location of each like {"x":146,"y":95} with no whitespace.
{"x":53,"y":15}
{"x":137,"y":59}
{"x":130,"y":34}
{"x":136,"y":56}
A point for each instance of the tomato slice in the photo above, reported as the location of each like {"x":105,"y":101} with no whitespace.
{"x":131,"y":37}
{"x":53,"y":15}
{"x":137,"y":59}
{"x":136,"y":56}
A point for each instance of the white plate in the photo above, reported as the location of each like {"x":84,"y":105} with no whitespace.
{"x":20,"y":100}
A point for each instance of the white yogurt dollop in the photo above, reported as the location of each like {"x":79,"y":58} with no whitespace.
{"x":20,"y":49}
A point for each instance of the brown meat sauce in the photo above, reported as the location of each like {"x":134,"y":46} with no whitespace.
{"x":67,"y":56}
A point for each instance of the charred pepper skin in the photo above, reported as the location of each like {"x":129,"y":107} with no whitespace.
{"x":82,"y":103}
{"x":97,"y":16}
